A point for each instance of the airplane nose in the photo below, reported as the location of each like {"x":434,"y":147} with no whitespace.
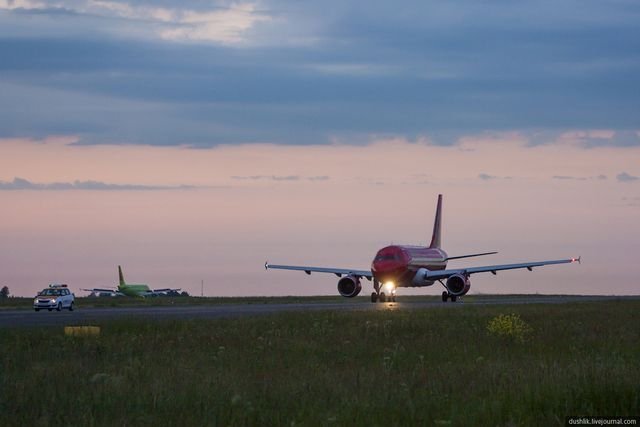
{"x":388,"y":268}
{"x":390,"y":264}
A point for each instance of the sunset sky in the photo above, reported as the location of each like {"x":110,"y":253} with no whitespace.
{"x":196,"y":140}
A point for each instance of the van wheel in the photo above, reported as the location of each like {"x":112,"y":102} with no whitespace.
{"x":71,"y":306}
{"x":59,"y":308}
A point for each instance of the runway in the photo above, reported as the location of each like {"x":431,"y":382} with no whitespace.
{"x":90,"y":315}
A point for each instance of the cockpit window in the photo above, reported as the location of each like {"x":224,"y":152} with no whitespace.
{"x":387,"y":257}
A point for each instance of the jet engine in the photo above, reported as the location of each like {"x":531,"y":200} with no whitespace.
{"x":349,"y":286}
{"x":458,"y":284}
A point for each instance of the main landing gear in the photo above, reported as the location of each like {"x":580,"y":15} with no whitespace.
{"x":380,"y":296}
{"x":446,"y":295}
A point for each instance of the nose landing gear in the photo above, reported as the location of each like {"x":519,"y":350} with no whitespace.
{"x":380,"y":296}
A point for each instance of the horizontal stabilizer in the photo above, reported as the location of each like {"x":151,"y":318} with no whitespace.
{"x":469,"y":256}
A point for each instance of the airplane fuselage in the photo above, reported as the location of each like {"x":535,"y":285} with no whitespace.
{"x":399,"y":263}
{"x":134,"y":290}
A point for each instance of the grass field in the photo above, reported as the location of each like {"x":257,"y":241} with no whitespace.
{"x":437,"y":366}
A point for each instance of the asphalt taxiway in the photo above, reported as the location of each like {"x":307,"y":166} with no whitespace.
{"x":90,"y":315}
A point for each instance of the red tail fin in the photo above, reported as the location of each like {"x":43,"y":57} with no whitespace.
{"x":435,"y":237}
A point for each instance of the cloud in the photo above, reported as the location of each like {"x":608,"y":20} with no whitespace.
{"x":269,"y":71}
{"x":23,"y":184}
{"x":625,"y":177}
{"x":567,"y":178}
{"x":487,"y":177}
{"x":285,"y":178}
{"x":281,"y":178}
{"x":579,"y":178}
{"x":268,"y":177}
{"x":592,"y":138}
{"x":224,"y":25}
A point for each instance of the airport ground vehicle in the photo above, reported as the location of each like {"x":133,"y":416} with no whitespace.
{"x":56,"y":296}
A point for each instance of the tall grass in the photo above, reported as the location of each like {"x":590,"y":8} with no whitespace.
{"x":433,"y":366}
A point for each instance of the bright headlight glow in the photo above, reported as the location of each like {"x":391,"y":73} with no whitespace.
{"x":389,"y":287}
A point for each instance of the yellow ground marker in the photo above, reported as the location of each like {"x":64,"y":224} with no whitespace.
{"x":81,"y":331}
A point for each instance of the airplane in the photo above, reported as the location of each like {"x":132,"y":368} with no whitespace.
{"x":131,"y":289}
{"x":401,"y":266}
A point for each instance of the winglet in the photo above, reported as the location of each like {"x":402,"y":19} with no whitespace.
{"x":435,"y":237}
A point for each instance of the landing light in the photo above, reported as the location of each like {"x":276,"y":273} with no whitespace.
{"x":390,"y":287}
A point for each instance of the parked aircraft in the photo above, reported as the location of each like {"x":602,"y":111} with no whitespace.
{"x":399,"y":266}
{"x":131,"y":289}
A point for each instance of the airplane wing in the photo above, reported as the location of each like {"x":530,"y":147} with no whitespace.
{"x":337,"y":271}
{"x":443,"y":274}
{"x":113,"y":291}
{"x":100,"y":290}
{"x":167,"y":290}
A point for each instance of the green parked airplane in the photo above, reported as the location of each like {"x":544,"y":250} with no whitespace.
{"x":132,"y":289}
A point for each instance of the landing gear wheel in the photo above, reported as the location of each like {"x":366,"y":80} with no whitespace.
{"x":374,"y":297}
{"x":59,"y":307}
{"x":445,"y":296}
{"x":383,"y":297}
{"x":453,"y":298}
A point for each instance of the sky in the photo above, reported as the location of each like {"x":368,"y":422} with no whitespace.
{"x":193,"y":141}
